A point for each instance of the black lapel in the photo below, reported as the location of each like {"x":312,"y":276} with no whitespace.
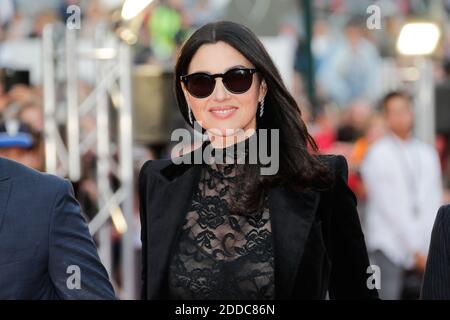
{"x":292,"y":214}
{"x":169,"y":210}
{"x":5,"y":186}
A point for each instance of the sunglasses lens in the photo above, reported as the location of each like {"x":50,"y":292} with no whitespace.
{"x":238,"y":80}
{"x":200,"y":85}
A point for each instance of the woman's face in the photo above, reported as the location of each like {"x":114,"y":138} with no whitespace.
{"x":218,"y":58}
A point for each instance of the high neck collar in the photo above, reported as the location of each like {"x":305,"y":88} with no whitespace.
{"x":232,"y":153}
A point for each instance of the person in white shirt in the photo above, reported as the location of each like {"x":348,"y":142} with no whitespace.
{"x":402,"y":177}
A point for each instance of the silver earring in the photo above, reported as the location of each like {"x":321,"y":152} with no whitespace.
{"x":261,"y":108}
{"x":190,"y":115}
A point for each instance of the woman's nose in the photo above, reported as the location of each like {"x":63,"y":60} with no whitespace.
{"x":220,"y":92}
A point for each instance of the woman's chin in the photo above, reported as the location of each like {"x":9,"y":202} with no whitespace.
{"x":224,"y":131}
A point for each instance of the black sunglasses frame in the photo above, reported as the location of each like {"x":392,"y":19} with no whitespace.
{"x":185,"y":79}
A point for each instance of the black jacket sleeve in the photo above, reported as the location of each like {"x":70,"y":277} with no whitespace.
{"x":436,"y":282}
{"x":349,"y":258}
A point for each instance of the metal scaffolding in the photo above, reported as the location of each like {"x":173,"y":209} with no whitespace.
{"x":66,"y":143}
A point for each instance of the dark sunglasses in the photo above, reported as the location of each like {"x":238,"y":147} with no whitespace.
{"x":236,"y":80}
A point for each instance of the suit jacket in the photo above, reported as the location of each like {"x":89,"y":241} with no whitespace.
{"x":45,"y":246}
{"x":318,"y":242}
{"x":436,"y":281}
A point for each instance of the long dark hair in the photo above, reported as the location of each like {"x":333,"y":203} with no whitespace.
{"x":299,"y":168}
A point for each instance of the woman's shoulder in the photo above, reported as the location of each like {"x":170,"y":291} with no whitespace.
{"x":155,"y":165}
{"x":337,"y":164}
{"x":153,"y":168}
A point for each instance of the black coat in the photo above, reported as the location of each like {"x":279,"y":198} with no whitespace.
{"x":318,"y":241}
{"x":436,"y":282}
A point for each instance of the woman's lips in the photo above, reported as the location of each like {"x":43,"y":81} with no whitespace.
{"x":223,"y":112}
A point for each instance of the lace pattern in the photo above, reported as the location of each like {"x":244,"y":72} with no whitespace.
{"x":220,"y":255}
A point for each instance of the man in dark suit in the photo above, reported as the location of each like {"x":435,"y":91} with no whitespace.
{"x":46,"y":251}
{"x":436,"y":282}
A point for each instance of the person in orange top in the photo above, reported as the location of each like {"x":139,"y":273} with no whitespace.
{"x":375,"y":130}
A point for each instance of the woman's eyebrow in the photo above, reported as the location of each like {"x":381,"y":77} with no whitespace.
{"x":237,"y":66}
{"x":232,"y":67}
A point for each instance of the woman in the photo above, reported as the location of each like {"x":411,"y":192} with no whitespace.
{"x":225,"y":231}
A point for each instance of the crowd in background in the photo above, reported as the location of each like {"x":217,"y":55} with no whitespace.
{"x":348,"y":116}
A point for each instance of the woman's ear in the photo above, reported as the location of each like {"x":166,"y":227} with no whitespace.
{"x":262,"y":90}
{"x":186,"y":96}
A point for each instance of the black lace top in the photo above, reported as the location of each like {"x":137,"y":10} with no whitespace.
{"x":220,"y":255}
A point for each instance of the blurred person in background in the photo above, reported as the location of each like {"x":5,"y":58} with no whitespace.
{"x":16,"y":142}
{"x":354,"y":120}
{"x":22,"y":94}
{"x":323,"y":128}
{"x":22,"y":118}
{"x":7,"y":11}
{"x":165,"y":24}
{"x":15,"y":91}
{"x":46,"y":16}
{"x":402,"y":177}
{"x":322,"y":45}
{"x":32,"y":114}
{"x":374,"y":130}
{"x":351,"y":71}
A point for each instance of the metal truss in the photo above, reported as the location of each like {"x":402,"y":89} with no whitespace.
{"x":66,"y":141}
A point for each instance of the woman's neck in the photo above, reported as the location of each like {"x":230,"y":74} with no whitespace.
{"x":226,"y":141}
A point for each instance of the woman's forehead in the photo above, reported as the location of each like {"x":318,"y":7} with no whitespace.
{"x":217,"y":58}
